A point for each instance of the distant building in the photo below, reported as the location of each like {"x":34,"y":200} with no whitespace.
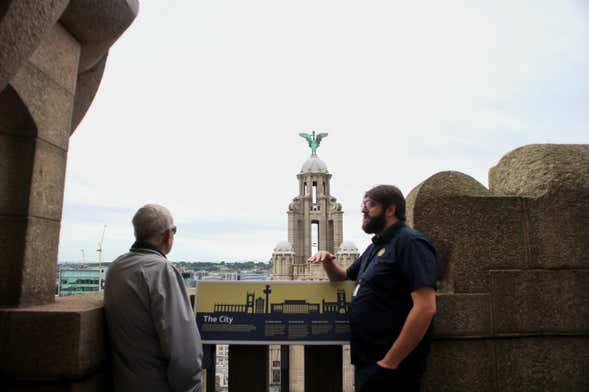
{"x":222,"y":367}
{"x":315,"y":222}
{"x":253,"y":275}
{"x":189,"y":278}
{"x":275,"y":366}
{"x":73,"y":281}
{"x":223,"y":275}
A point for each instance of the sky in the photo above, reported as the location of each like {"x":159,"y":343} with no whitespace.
{"x":201,"y":104}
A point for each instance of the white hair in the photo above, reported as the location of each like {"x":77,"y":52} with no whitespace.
{"x":150,"y":222}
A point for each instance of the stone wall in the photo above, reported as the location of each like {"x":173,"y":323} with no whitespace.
{"x":513,"y":308}
{"x":55,"y":347}
{"x":52,"y":56}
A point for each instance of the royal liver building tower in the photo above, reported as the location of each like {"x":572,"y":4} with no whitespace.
{"x":315,"y":221}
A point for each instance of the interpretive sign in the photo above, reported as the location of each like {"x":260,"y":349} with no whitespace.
{"x":273,"y":312}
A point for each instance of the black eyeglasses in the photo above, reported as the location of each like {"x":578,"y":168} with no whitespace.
{"x":367,"y":203}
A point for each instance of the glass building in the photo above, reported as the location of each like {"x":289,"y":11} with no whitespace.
{"x":80,"y":281}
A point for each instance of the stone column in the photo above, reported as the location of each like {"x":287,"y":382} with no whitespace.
{"x":348,"y":370}
{"x":338,"y":234}
{"x":297,"y":368}
{"x":52,"y":58}
{"x":35,"y":125}
{"x":323,"y":226}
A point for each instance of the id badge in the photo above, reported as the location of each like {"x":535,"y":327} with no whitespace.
{"x":356,"y":290}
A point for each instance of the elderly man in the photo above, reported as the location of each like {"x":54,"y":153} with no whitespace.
{"x":394,"y":300}
{"x":154,"y":339}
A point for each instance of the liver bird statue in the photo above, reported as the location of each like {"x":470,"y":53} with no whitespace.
{"x":313,"y":140}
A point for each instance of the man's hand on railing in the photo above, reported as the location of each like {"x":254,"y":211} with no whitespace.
{"x":321,"y":257}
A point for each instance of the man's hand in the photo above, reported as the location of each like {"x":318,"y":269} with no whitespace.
{"x":386,"y":365}
{"x":334,"y":271}
{"x":321,"y":257}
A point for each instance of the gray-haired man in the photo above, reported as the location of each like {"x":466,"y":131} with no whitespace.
{"x":154,"y":339}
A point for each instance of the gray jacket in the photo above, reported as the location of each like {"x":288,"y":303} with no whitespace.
{"x":155,"y":343}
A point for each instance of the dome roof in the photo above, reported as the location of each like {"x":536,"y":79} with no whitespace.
{"x":314,"y":165}
{"x":283,"y":247}
{"x":348,"y":247}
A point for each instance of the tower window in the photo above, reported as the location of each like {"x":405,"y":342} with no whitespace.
{"x":314,"y":192}
{"x":314,"y":237}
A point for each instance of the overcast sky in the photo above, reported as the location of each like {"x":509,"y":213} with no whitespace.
{"x":201,"y":104}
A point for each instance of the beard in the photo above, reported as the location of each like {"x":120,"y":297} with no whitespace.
{"x":374,"y":224}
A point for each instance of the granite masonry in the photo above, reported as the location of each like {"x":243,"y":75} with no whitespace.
{"x":52,"y":56}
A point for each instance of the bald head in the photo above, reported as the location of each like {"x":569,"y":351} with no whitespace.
{"x":151,"y":222}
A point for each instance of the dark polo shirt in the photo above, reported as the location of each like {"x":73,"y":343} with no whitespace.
{"x":398,"y":262}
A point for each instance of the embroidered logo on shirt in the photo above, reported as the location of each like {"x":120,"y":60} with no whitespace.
{"x":381,"y":252}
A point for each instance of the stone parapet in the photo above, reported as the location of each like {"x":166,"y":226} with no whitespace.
{"x":520,"y":303}
{"x":463,"y":315}
{"x":555,"y":177}
{"x":513,"y":307}
{"x":57,"y":344}
{"x":98,"y":382}
{"x":52,"y":56}
{"x":536,"y":170}
{"x":509,"y":365}
{"x":472,"y":230}
{"x":461,"y":366}
{"x":542,"y":364}
{"x":548,"y":302}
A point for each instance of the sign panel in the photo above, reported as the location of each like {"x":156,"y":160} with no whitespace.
{"x":273,"y":312}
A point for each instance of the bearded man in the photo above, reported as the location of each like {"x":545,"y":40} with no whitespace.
{"x":394,"y":301}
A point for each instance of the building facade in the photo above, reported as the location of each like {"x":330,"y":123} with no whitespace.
{"x":315,"y":222}
{"x":74,"y":281}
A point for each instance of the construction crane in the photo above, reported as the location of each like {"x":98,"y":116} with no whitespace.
{"x":99,"y":251}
